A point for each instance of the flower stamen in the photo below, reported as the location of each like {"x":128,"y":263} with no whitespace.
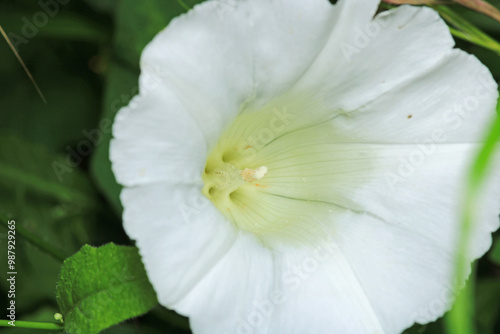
{"x":250,"y":175}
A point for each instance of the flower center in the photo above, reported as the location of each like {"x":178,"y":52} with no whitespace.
{"x":277,"y":171}
{"x":222,"y":182}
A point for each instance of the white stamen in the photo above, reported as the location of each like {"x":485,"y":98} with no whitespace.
{"x":250,"y":175}
{"x":260,"y":172}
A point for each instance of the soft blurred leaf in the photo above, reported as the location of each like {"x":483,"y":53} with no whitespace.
{"x":105,"y":6}
{"x":477,"y":5}
{"x":488,"y":305}
{"x":63,"y":25}
{"x":33,"y":168}
{"x":459,"y":320}
{"x":481,"y":21}
{"x":495,"y":253}
{"x":58,"y":213}
{"x":431,"y":328}
{"x":482,"y":7}
{"x":465,"y":30}
{"x":101,"y":287}
{"x":62,"y":72}
{"x":159,"y":328}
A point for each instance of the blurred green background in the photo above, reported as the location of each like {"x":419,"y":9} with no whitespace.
{"x":85,"y":59}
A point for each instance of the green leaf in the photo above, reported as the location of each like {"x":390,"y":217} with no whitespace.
{"x":465,"y":30}
{"x":47,"y":212}
{"x":122,"y":77}
{"x":488,"y":305}
{"x":104,"y":6}
{"x":35,"y":169}
{"x":121,"y":86}
{"x":61,"y":70}
{"x":495,"y":252}
{"x":459,"y":320}
{"x":101,"y":287}
{"x":430,"y":328}
{"x":64,"y":26}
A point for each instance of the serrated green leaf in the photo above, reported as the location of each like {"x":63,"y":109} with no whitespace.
{"x":101,"y":287}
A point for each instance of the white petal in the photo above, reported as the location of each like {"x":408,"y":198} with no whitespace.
{"x":184,"y":104}
{"x":180,"y":235}
{"x":405,"y":260}
{"x":405,"y":276}
{"x":409,"y":276}
{"x":231,"y":289}
{"x":197,"y":262}
{"x":321,"y":294}
{"x":394,"y":242}
{"x":156,"y":140}
{"x":453,"y":103}
{"x":396,"y":215}
{"x":360,"y":63}
{"x":244,"y":51}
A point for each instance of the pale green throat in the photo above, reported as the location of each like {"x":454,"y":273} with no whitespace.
{"x":272,"y":169}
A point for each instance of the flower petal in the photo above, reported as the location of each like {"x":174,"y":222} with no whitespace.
{"x":157,"y":137}
{"x":321,"y":294}
{"x":156,"y":140}
{"x":406,"y":263}
{"x":231,"y":289}
{"x":454,"y":103}
{"x":198,"y":263}
{"x":409,"y":192}
{"x":354,"y":68}
{"x":180,"y":235}
{"x":394,"y":233}
{"x":246,"y":66}
{"x":405,"y":277}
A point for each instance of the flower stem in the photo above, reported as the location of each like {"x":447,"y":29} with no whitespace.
{"x":183,"y":5}
{"x":460,"y":319}
{"x":32,"y":324}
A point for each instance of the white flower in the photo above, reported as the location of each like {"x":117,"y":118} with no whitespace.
{"x":296,"y":167}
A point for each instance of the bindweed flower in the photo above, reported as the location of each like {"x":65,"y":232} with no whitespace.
{"x":297,"y":167}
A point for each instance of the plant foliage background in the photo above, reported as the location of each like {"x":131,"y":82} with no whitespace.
{"x":55,"y":176}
